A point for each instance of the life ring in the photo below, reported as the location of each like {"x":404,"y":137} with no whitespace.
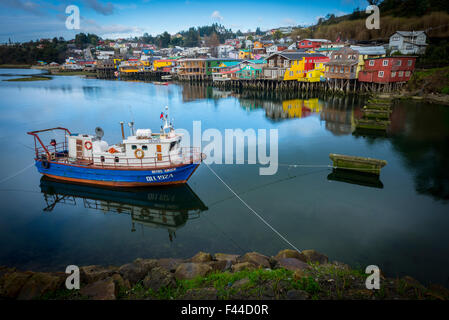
{"x":88,"y":145}
{"x":139,"y":153}
{"x":45,"y":164}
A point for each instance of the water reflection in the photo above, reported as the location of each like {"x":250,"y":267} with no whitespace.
{"x":357,"y":178}
{"x":169,"y":208}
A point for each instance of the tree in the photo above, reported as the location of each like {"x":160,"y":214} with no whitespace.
{"x":258,"y":32}
{"x":277,"y":35}
{"x":213,"y":40}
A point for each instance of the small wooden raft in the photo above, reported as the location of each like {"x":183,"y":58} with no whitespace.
{"x":372,"y":124}
{"x":361,"y":164}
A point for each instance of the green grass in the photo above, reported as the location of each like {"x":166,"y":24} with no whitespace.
{"x":31,"y":78}
{"x":15,"y":66}
{"x":72,"y":73}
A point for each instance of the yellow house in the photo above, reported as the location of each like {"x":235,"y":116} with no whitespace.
{"x":314,"y":75}
{"x":246,"y":54}
{"x":296,"y":66}
{"x":159,"y":64}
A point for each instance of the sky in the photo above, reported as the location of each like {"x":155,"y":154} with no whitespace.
{"x":24,"y":20}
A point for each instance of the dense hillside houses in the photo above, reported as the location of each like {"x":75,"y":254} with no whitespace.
{"x":408,"y":42}
{"x":255,"y":57}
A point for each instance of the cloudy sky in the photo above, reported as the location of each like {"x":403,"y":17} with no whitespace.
{"x":23,"y":20}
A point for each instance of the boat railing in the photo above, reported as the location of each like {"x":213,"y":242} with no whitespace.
{"x":187,"y":155}
{"x":54,"y":149}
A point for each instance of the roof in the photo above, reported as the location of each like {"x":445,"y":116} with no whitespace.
{"x":409,"y":33}
{"x":369,"y":50}
{"x":297,"y":55}
{"x":316,"y":40}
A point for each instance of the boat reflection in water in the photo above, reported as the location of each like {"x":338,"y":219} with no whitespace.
{"x":355,"y":177}
{"x":158,"y":207}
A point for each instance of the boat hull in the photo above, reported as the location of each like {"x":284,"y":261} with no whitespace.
{"x":117,"y":177}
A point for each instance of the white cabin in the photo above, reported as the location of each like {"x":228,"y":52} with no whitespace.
{"x":144,"y":148}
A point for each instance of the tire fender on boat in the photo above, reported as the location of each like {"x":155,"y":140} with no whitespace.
{"x":45,"y":164}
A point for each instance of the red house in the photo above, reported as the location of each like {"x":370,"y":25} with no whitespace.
{"x":387,"y":69}
{"x":311,"y":43}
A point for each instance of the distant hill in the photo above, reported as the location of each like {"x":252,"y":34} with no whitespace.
{"x":429,"y":15}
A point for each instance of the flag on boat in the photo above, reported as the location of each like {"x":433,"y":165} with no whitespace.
{"x":162,"y":115}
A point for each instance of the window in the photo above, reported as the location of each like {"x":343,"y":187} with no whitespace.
{"x":398,"y":62}
{"x":407,"y":73}
{"x":133,"y":147}
{"x":144,"y":147}
{"x":409,"y":47}
{"x":371,"y":63}
{"x":385,"y":63}
{"x":393,"y":74}
{"x":172,"y":145}
{"x":401,"y":73}
{"x":102,"y":158}
{"x":116,"y":159}
{"x":409,"y":63}
{"x":332,"y":69}
{"x":381,"y":74}
{"x":271,"y":63}
{"x":291,"y":73}
{"x":341,"y":69}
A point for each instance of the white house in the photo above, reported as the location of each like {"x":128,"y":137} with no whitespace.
{"x":408,"y":42}
{"x":224,"y":50}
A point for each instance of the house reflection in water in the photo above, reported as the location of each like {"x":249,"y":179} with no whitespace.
{"x":158,"y":207}
{"x":339,"y":121}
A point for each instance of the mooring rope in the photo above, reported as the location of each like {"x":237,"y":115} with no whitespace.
{"x":17,"y":173}
{"x":252,"y":210}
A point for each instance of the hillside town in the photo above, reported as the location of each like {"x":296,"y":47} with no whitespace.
{"x":251,"y":58}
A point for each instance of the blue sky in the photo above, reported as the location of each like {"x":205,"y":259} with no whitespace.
{"x":23,"y":20}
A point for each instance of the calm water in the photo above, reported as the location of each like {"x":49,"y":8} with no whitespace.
{"x":399,"y":223}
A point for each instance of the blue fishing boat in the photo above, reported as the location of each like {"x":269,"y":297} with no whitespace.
{"x":143,"y":158}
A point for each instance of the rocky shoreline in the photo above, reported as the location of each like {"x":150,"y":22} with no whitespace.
{"x":288,"y":275}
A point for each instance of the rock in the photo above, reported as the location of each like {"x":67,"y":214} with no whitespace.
{"x":200,"y":294}
{"x":191,"y":270}
{"x":12,"y":283}
{"x":220,"y":266}
{"x":256,"y":258}
{"x":288,"y":253}
{"x":240,"y":283}
{"x":292,"y":264}
{"x":169,"y":264}
{"x":439,"y":291}
{"x":40,"y":283}
{"x":315,"y":257}
{"x":100,"y":290}
{"x":94,"y":273}
{"x":297,"y":295}
{"x":242,"y":266}
{"x":299,"y":274}
{"x":226,"y":257}
{"x":201,"y":257}
{"x":136,"y":271}
{"x":158,"y":278}
{"x":120,"y":282}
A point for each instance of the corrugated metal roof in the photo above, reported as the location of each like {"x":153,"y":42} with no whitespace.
{"x":409,"y":33}
{"x":297,"y":55}
{"x":371,"y":50}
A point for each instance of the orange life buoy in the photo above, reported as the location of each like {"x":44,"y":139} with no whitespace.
{"x":88,"y":145}
{"x":139,"y":153}
{"x":112,"y":150}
